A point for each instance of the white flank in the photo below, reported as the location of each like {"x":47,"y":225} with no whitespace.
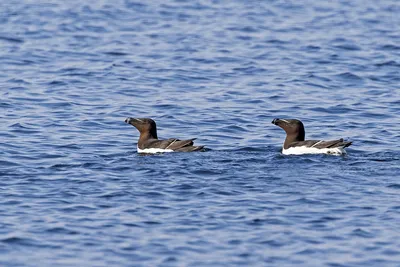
{"x":153,"y":150}
{"x":299,"y":150}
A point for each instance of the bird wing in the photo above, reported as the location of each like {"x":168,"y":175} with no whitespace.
{"x":172,"y":143}
{"x":321,"y":144}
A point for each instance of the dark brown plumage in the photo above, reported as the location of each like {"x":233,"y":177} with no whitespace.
{"x":295,"y":136}
{"x":148,"y":137}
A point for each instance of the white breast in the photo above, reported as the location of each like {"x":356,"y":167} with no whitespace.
{"x":153,"y":150}
{"x":299,"y":150}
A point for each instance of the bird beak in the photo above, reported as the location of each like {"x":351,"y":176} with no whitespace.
{"x":128,"y":120}
{"x":275,"y":121}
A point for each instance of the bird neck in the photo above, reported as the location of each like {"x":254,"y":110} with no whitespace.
{"x":290,"y":138}
{"x":148,"y":135}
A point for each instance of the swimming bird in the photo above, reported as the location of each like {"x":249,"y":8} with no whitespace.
{"x":296,"y":145}
{"x":149,"y":142}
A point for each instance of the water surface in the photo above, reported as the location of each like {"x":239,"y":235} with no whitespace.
{"x":73,"y":190}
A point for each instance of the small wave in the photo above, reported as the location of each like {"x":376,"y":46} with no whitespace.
{"x":394,"y":186}
{"x":260,"y":148}
{"x":56,"y":82}
{"x":62,"y":230}
{"x":390,"y":63}
{"x":12,"y":39}
{"x":349,"y":76}
{"x":349,"y":47}
{"x":362,"y":233}
{"x":389,"y":47}
{"x":116,"y":53}
{"x":64,"y":166}
{"x":5,"y":163}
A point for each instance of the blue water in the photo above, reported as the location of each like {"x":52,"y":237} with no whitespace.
{"x":74,"y":192}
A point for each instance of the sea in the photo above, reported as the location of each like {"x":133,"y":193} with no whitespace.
{"x":75,"y":192}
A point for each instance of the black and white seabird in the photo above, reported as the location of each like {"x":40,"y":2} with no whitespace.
{"x":296,"y":145}
{"x":149,"y":142}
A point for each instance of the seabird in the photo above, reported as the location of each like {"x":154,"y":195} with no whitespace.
{"x":149,"y":142}
{"x":296,"y":145}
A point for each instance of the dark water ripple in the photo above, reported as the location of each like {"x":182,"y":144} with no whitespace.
{"x":73,"y":191}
